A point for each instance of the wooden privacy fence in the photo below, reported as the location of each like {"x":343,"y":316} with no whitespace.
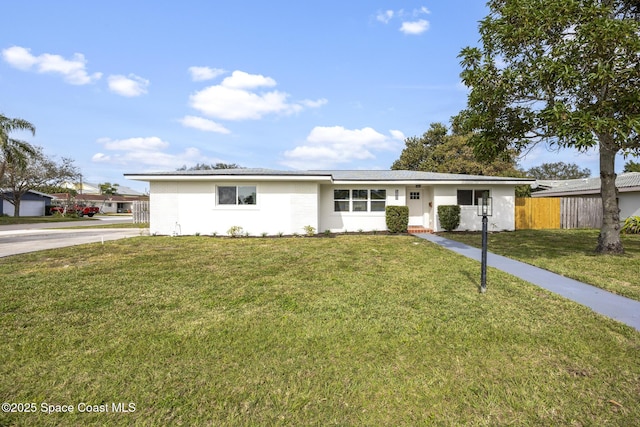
{"x":536,"y":214}
{"x":140,"y":211}
{"x":556,"y":212}
{"x":581,"y":212}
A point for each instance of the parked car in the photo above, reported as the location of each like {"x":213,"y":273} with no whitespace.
{"x":79,"y":210}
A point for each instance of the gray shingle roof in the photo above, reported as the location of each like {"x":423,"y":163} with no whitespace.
{"x":231,"y":172}
{"x":405,"y":175}
{"x":625,"y":182}
{"x":341,"y":175}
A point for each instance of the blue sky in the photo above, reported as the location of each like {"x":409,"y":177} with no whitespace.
{"x":139,"y":86}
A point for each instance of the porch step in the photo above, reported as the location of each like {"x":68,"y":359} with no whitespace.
{"x":413,"y":229}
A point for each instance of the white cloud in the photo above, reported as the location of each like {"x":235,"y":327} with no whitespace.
{"x":203,"y":124}
{"x":314,"y":104}
{"x":73,"y":71}
{"x":412,"y":24}
{"x":385,"y":16}
{"x":238,"y":97}
{"x":19,"y":57}
{"x":147,"y":153}
{"x":128,"y":86}
{"x":415,"y":27}
{"x":242,"y":80}
{"x":152,"y":143}
{"x":397,"y":135}
{"x":327,"y":146}
{"x":199,"y":74}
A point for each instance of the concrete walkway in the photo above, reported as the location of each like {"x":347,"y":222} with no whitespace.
{"x":622,"y":309}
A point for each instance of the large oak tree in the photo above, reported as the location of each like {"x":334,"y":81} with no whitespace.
{"x":437,"y":150}
{"x":560,"y":72}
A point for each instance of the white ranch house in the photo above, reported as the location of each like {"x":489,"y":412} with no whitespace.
{"x":264,"y":201}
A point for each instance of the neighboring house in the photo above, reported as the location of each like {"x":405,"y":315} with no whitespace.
{"x":628,"y":185}
{"x":90,"y":195}
{"x":272,"y":202}
{"x":32,"y":203}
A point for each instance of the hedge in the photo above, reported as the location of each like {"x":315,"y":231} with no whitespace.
{"x":397,"y":219}
{"x":449,"y":216}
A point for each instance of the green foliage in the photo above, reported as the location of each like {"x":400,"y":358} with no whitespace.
{"x":571,"y":88}
{"x":14,"y":151}
{"x":438,"y":151}
{"x":418,"y":150}
{"x":309,"y":230}
{"x":558,"y":170}
{"x":559,"y":73}
{"x":397,"y":218}
{"x":108,"y":188}
{"x":631,"y":166}
{"x":631,"y":225}
{"x":204,"y":166}
{"x":235,"y":231}
{"x":449,"y":216}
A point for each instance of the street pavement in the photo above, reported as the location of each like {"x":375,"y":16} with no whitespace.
{"x":24,"y":238}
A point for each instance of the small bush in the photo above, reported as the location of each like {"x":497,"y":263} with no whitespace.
{"x":449,"y":216}
{"x":309,"y":230}
{"x":631,"y":225}
{"x":235,"y":231}
{"x":397,"y":218}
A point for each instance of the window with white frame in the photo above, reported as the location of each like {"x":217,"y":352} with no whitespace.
{"x":370,"y":200}
{"x":237,"y":195}
{"x":471,"y":197}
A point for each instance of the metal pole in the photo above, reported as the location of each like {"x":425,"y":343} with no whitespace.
{"x":483,"y":274}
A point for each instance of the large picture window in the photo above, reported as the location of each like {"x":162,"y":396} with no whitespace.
{"x":471,"y":197}
{"x":237,"y":195}
{"x":359,"y":200}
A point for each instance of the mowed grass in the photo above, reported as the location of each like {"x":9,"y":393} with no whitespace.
{"x":10,"y":220}
{"x":352,"y":330}
{"x":570,"y":253}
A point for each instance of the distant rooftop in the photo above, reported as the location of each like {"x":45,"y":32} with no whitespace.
{"x":625,"y":182}
{"x":91,"y":188}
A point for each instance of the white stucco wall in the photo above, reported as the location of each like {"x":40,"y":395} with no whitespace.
{"x":503,"y":207}
{"x":629,"y":204}
{"x":356,"y":221}
{"x":190,"y":207}
{"x":186,"y":208}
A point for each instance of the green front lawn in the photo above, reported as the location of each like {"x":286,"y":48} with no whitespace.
{"x":352,"y":330}
{"x":9,"y":220}
{"x":570,"y":253}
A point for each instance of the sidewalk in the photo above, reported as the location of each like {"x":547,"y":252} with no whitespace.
{"x":622,"y":309}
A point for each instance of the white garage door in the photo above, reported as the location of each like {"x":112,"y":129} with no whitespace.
{"x":27,"y":208}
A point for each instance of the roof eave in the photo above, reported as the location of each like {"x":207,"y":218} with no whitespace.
{"x":225,"y":177}
{"x":429,"y":182}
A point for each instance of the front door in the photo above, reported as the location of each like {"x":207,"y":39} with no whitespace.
{"x":416,"y":206}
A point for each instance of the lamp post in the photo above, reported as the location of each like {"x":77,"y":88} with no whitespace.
{"x":485,"y":209}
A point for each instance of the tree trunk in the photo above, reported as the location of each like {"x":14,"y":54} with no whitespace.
{"x":609,"y":239}
{"x":16,"y":207}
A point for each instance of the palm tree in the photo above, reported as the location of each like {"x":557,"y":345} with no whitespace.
{"x":14,"y":151}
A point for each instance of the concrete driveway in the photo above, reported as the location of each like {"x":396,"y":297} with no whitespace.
{"x":23,"y":238}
